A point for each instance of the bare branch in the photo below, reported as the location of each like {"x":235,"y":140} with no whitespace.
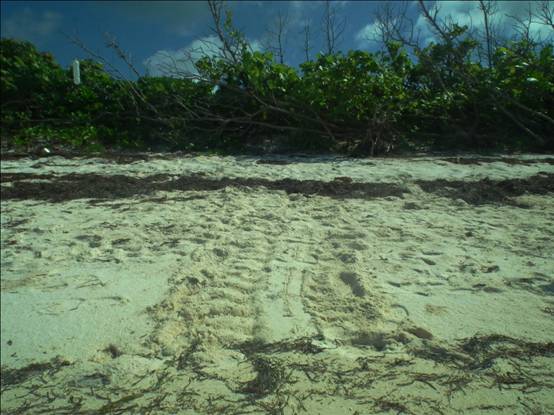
{"x":393,"y":24}
{"x":546,"y":14}
{"x":333,"y":28}
{"x":523,"y":25}
{"x":278,"y":37}
{"x":307,"y":48}
{"x":432,"y":19}
{"x":486,"y":7}
{"x":230,"y":47}
{"x":111,"y":42}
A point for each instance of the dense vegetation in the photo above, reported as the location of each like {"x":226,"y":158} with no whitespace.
{"x":358,"y":102}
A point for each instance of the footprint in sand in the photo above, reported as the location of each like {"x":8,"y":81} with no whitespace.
{"x":437,"y":310}
{"x":353,"y":281}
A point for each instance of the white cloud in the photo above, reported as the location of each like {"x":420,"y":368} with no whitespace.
{"x":463,"y":13}
{"x":468,"y":13}
{"x":367,"y":34}
{"x":423,"y":31}
{"x":28,"y":25}
{"x":540,"y":31}
{"x":180,"y":62}
{"x":370,"y":36}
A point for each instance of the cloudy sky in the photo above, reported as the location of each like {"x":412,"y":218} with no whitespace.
{"x":152,"y":31}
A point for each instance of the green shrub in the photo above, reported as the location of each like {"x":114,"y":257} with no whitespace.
{"x":359,"y":102}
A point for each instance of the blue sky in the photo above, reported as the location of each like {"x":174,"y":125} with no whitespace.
{"x":153,"y":30}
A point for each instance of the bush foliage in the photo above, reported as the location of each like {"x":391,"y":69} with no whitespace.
{"x":356,"y":102}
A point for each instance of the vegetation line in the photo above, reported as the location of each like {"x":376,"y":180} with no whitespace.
{"x":463,"y":90}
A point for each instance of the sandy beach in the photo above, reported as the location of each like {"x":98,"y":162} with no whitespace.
{"x":279,"y":285}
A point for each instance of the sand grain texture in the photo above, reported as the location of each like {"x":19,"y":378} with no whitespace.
{"x":292,"y":298}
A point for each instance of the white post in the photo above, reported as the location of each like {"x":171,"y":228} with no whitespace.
{"x":76,"y":72}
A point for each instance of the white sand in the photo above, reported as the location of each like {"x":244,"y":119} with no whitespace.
{"x":326,"y":168}
{"x":181,"y":287}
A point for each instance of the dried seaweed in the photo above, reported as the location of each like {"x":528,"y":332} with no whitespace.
{"x":301,"y":345}
{"x":271,"y":375}
{"x":61,"y":188}
{"x":10,"y":377}
{"x":490,"y":191}
{"x":507,"y":160}
{"x":386,"y":405}
{"x":441,"y":355}
{"x":485,"y":349}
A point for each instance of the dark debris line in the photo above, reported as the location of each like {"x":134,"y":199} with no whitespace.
{"x":490,"y":191}
{"x":507,"y":160}
{"x":95,"y":186}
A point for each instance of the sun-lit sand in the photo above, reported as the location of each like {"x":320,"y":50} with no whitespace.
{"x":249,"y":300}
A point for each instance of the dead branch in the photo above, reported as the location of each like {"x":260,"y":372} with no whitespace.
{"x":545,"y":15}
{"x":486,"y":7}
{"x":278,"y":37}
{"x":307,"y":48}
{"x":333,"y":28}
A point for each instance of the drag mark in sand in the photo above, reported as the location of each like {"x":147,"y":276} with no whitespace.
{"x":243,"y":279}
{"x":281,"y":313}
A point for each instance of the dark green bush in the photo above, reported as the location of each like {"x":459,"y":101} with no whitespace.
{"x":361,"y":102}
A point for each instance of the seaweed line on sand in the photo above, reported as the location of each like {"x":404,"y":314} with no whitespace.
{"x":278,"y":369}
{"x":60,"y":188}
